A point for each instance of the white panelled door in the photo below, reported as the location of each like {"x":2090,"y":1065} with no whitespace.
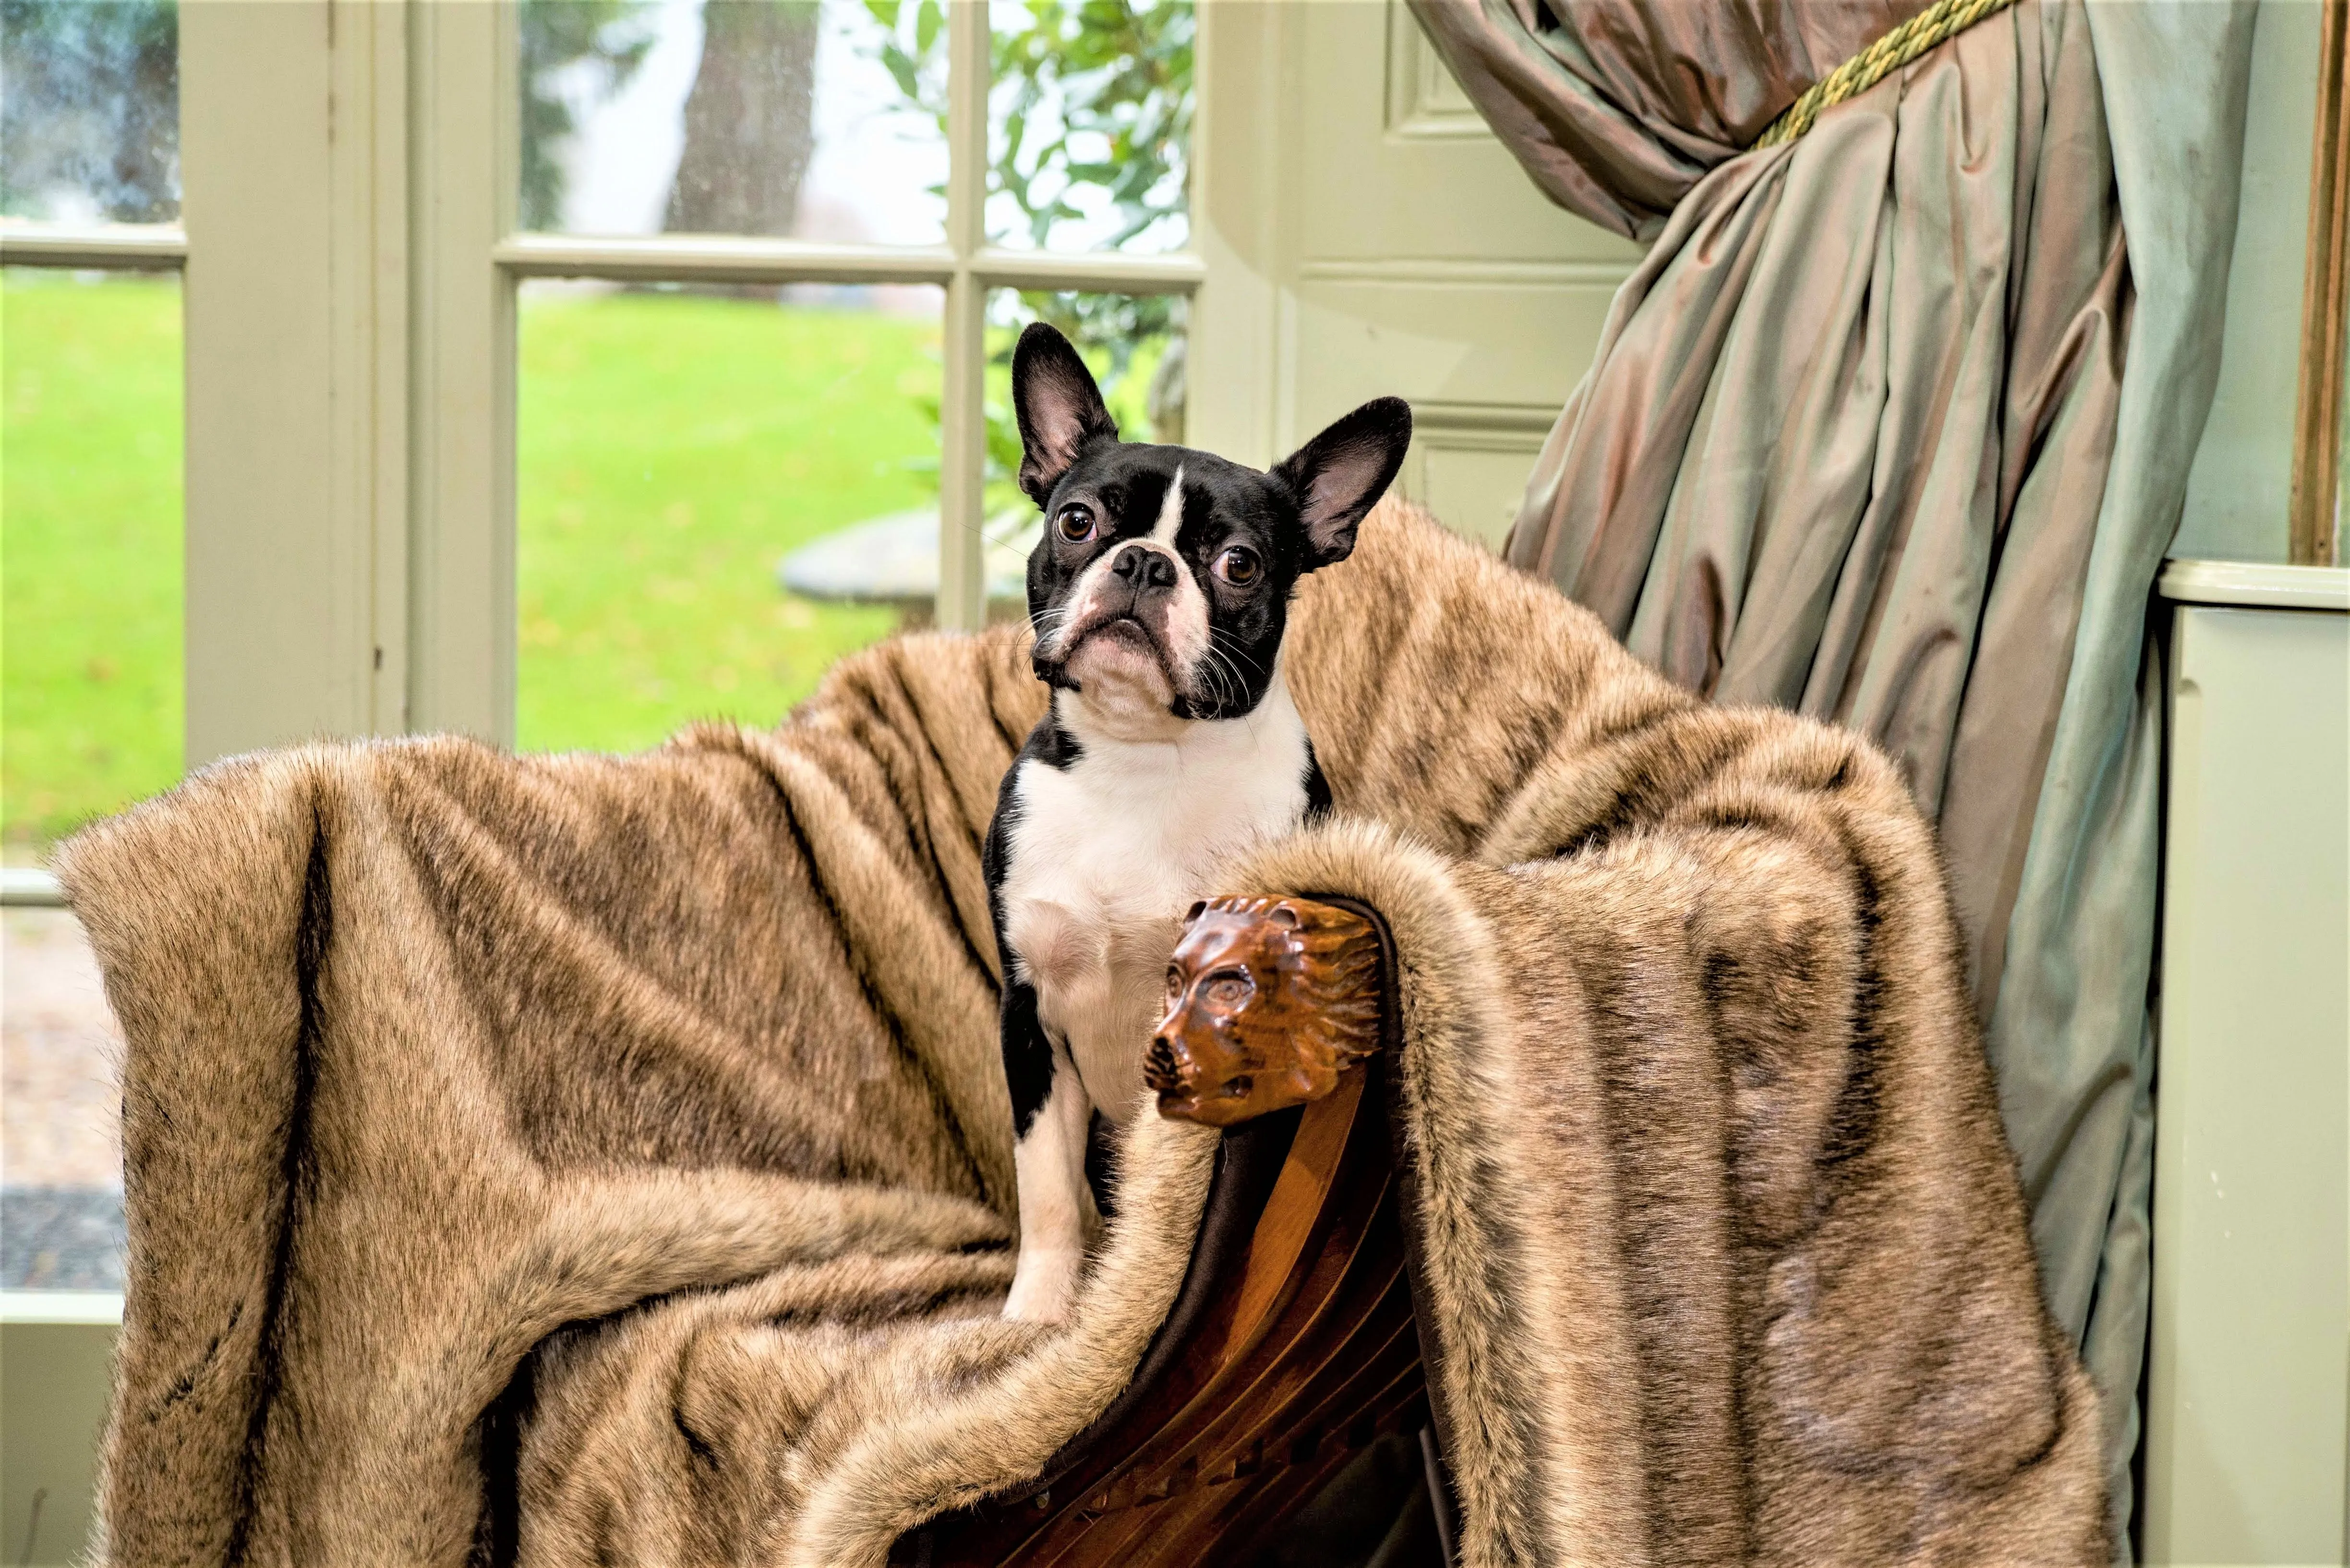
{"x":1365,"y":233}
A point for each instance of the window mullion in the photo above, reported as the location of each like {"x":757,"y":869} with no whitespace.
{"x":962,"y":420}
{"x":1105,"y":272}
{"x":278,"y":564}
{"x":116,"y":247}
{"x":719,"y":258}
{"x":460,"y":610}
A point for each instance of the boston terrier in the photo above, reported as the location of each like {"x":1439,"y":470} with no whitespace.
{"x":1158,"y":594}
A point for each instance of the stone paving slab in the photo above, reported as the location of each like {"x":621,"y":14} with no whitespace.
{"x":60,"y":1133}
{"x":60,"y":1238}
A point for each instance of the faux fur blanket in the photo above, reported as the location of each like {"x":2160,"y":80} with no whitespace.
{"x":585,"y":1158}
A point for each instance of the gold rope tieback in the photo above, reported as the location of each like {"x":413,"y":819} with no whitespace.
{"x":1879,"y":60}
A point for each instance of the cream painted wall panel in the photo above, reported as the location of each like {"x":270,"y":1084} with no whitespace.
{"x":2237,"y":491}
{"x":1408,"y":254}
{"x":1460,"y":341}
{"x":1485,"y":364}
{"x":2249,"y":1376}
{"x":54,"y":1381}
{"x":1471,"y":482}
{"x":1395,"y":164}
{"x":1365,"y":233}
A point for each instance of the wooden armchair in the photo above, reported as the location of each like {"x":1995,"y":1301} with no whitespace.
{"x":1292,"y":1345}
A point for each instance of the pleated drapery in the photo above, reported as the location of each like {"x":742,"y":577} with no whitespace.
{"x":1892,"y":426}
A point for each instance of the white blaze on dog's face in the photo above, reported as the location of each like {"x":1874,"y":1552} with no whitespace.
{"x":1161,"y":588}
{"x":1131,"y":631}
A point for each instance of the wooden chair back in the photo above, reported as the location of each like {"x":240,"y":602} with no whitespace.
{"x":1303,"y":1352}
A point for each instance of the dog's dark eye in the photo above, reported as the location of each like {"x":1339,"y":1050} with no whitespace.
{"x":1075,"y":523}
{"x":1239,"y":566}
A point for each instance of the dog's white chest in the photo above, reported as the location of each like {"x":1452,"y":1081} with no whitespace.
{"x":1106,"y":855}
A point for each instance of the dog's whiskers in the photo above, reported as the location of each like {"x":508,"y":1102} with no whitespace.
{"x":1235,"y":650}
{"x":1048,"y":622}
{"x":1219,"y":665}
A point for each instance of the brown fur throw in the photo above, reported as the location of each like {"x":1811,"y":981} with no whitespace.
{"x":581,"y":1159}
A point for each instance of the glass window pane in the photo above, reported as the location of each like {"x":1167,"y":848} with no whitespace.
{"x":90,"y":582}
{"x":89,"y":110}
{"x":814,"y":120}
{"x":91,"y":698}
{"x":1089,"y":124}
{"x":60,"y":1135}
{"x":718,"y":494}
{"x":1135,"y":345}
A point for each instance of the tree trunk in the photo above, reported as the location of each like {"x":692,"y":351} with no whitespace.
{"x":749,"y":129}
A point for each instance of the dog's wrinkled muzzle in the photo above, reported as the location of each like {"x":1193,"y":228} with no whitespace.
{"x":1129,"y":599}
{"x":1122,"y":636}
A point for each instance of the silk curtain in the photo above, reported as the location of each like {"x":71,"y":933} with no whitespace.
{"x":1892,"y":427}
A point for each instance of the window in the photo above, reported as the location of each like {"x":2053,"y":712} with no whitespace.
{"x":556,"y":370}
{"x":91,"y":575}
{"x":762,"y":417}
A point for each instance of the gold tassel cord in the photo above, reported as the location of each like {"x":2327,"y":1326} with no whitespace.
{"x":1898,"y":48}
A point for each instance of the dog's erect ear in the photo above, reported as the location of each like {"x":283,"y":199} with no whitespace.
{"x":1060,"y":409}
{"x":1340,"y":474}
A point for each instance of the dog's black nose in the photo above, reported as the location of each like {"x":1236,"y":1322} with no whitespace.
{"x":1145,"y":571}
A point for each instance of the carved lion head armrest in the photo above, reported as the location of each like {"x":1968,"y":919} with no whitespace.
{"x":1268,"y":1001}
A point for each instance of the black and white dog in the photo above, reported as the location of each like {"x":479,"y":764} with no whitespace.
{"x":1158,"y":594}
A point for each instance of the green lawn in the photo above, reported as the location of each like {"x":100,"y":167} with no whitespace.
{"x":89,"y":548}
{"x":670,"y":447}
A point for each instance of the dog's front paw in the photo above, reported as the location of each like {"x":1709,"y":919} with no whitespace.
{"x":1043,"y":1287}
